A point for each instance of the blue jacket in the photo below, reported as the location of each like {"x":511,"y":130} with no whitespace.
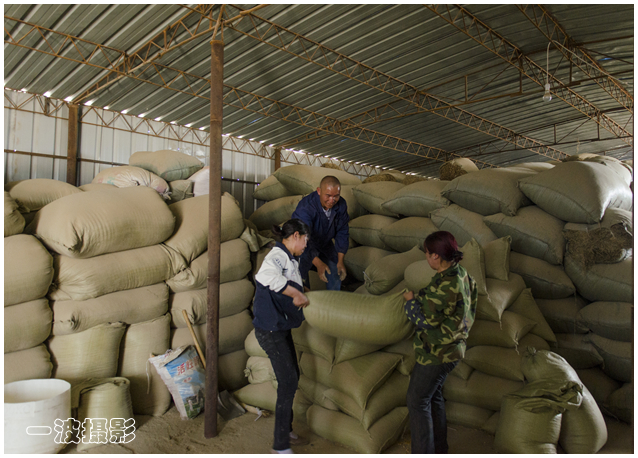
{"x":323,"y":230}
{"x":273,"y":310}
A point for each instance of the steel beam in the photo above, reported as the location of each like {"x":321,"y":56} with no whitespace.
{"x":214,"y":236}
{"x":196,"y":86}
{"x":72,"y":146}
{"x":470,"y":25}
{"x":554,"y":32}
{"x":279,"y":37}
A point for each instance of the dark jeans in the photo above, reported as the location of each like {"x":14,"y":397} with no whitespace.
{"x":280,"y":349}
{"x":428,"y":426}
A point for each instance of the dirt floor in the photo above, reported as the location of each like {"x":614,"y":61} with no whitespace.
{"x":169,"y":434}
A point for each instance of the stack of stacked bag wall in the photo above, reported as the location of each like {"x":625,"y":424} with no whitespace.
{"x":108,"y":295}
{"x":399,"y":221}
{"x":283,"y":190}
{"x":188,"y":289}
{"x":593,"y":328}
{"x":354,"y":370}
{"x":531,"y":203}
{"x":28,"y":272}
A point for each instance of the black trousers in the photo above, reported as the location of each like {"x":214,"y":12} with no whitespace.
{"x":428,"y":426}
{"x":280,"y":349}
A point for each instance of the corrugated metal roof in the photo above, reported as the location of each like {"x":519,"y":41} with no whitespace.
{"x":407,"y":42}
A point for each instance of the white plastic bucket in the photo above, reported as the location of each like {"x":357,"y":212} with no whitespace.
{"x":30,"y":410}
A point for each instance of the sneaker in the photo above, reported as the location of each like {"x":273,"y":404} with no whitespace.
{"x":286,"y":452}
{"x":297,"y":440}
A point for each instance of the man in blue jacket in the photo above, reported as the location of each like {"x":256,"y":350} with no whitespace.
{"x":327,"y":216}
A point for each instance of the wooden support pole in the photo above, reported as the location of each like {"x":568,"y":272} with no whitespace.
{"x":214,"y":236}
{"x":72,"y":146}
{"x":277,"y":158}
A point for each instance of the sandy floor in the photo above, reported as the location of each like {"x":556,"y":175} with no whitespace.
{"x":169,"y":434}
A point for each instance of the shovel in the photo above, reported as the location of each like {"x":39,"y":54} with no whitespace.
{"x":227,"y":406}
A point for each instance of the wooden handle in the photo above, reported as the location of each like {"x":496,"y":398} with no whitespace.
{"x":190,"y":328}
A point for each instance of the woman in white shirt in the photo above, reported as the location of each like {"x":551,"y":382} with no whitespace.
{"x":278,"y":308}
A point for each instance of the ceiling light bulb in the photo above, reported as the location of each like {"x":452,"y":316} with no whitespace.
{"x":188,"y":125}
{"x":124,"y":111}
{"x":47,"y":94}
{"x":106,"y":107}
{"x":89,"y":103}
{"x":159,"y":118}
{"x":548,"y":95}
{"x":69,"y":98}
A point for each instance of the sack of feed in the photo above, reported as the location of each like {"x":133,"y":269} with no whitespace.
{"x":366,"y":230}
{"x":341,"y":428}
{"x":311,"y":340}
{"x":27,"y":364}
{"x":382,"y":177}
{"x":141,"y":340}
{"x":599,"y":384}
{"x":28,"y":269}
{"x":180,"y":190}
{"x":546,"y":280}
{"x":127,"y":176}
{"x":489,"y":191}
{"x":96,"y":187}
{"x":407,"y":233}
{"x":130,"y":306}
{"x":26,"y":325}
{"x":375,"y":320}
{"x":612,"y":320}
{"x":500,"y":295}
{"x":418,"y":275}
{"x":259,"y":370}
{"x":89,"y":354}
{"x":576,"y":350}
{"x":562,"y":314}
{"x":359,"y":258}
{"x":107,"y":399}
{"x":89,"y":224}
{"x":230,"y":370}
{"x":81,"y":279}
{"x":508,"y":333}
{"x":534,"y":233}
{"x":526,"y":306}
{"x":602,"y":282}
{"x":315,"y":392}
{"x":262,"y":395}
{"x":371,"y":195}
{"x":496,"y":255}
{"x":346,"y":349}
{"x":274,"y":212}
{"x":234,"y":297}
{"x":559,"y":191}
{"x":270,"y":189}
{"x":13,"y":219}
{"x":234,"y":265}
{"x":169,"y":165}
{"x":190,"y":237}
{"x":405,"y":348}
{"x":463,"y":224}
{"x":617,"y":357}
{"x":386,"y":273}
{"x":497,"y":361}
{"x":613,"y":217}
{"x":621,"y":403}
{"x":466,"y":415}
{"x":31,"y":195}
{"x":392,"y":394}
{"x":252,"y":347}
{"x":480,"y":389}
{"x":417,"y":199}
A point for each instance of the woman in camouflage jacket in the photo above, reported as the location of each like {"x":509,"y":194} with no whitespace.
{"x":443,"y":313}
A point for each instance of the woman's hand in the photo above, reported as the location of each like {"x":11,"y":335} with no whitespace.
{"x":300,"y":300}
{"x":408,"y":295}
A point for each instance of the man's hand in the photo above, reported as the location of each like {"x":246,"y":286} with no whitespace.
{"x":341,"y":271}
{"x":300,"y":300}
{"x":322,"y":269}
{"x":408,"y":295}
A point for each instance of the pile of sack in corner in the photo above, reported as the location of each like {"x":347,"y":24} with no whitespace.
{"x":552,"y":258}
{"x":97,"y":277}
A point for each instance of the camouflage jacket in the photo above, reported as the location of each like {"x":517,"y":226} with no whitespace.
{"x":443,"y":313}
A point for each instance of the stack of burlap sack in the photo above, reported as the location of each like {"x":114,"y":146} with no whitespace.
{"x":108,"y":295}
{"x":28,"y":271}
{"x":188,"y":289}
{"x":355,"y":358}
{"x":491,"y":203}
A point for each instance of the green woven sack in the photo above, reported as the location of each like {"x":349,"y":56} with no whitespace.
{"x":367,"y":319}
